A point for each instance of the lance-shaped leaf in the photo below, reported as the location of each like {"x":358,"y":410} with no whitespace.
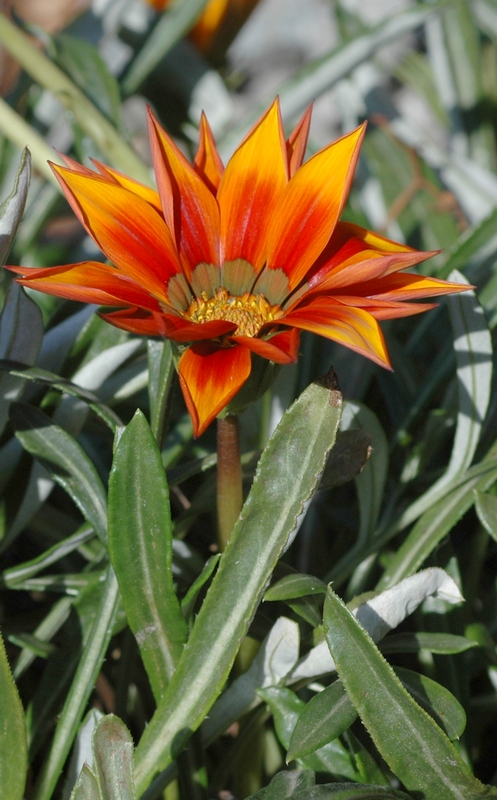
{"x":66,"y":460}
{"x":287,"y":476}
{"x":113,"y":759}
{"x":473,"y":348}
{"x":140,"y":547}
{"x":12,"y":208}
{"x":13,"y":745}
{"x":412,"y":744}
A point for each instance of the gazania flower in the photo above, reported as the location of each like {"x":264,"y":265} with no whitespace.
{"x":231,"y":262}
{"x":218,"y":23}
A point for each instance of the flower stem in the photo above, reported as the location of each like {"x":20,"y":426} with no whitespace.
{"x":229,"y":477}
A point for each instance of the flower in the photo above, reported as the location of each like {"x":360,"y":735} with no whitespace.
{"x":230,"y":262}
{"x":217,"y":25}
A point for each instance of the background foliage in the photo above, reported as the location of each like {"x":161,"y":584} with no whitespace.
{"x":107,"y":520}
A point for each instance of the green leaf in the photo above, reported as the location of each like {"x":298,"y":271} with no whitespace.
{"x":486,"y":508}
{"x":444,"y":644}
{"x":473,"y":347}
{"x":412,"y":744}
{"x":13,"y":745}
{"x":86,"y":787}
{"x":21,"y":334}
{"x":436,"y":523}
{"x":436,"y":700}
{"x":297,"y":585}
{"x":172,"y":26}
{"x":296,"y":785}
{"x":286,"y":479}
{"x":113,"y":759}
{"x":89,"y":666}
{"x":286,"y":707}
{"x":140,"y":548}
{"x":325,"y":717}
{"x":161,"y":374}
{"x":56,"y":382}
{"x":83,"y":63}
{"x":12,"y":208}
{"x":65,"y":458}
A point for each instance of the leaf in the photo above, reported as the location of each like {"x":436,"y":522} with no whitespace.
{"x":275,"y":658}
{"x":438,"y":521}
{"x":21,"y":333}
{"x":300,"y":785}
{"x":297,"y":585}
{"x":347,"y":459}
{"x":384,"y":611}
{"x":89,"y":666}
{"x":140,"y":548}
{"x":86,"y":787}
{"x":68,"y":463}
{"x":56,"y":382}
{"x":411,"y":743}
{"x":333,"y":757}
{"x":371,"y":481}
{"x":473,"y":347}
{"x":286,"y":479}
{"x":13,"y":745}
{"x":161,"y":374}
{"x":486,"y":508}
{"x":169,"y":30}
{"x":84,"y":64}
{"x":113,"y":759}
{"x":327,"y":715}
{"x":444,"y":644}
{"x":12,"y":208}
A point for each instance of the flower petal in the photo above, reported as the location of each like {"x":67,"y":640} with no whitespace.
{"x":207,"y":161}
{"x":281,"y":348}
{"x":130,"y":233}
{"x":297,"y":142}
{"x":136,"y":320}
{"x":210,"y":378}
{"x":190,"y":209}
{"x":384,"y":309}
{"x":146,"y":192}
{"x":182,"y":330}
{"x":406,"y":286}
{"x":352,"y":327}
{"x":252,"y":184}
{"x":87,"y":282}
{"x":307,"y":213}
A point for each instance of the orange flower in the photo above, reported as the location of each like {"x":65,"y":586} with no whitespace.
{"x":238,"y":260}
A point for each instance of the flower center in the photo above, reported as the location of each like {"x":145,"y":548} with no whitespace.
{"x":248,"y":311}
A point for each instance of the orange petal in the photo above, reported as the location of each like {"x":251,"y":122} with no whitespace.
{"x":307,"y":213}
{"x":209,"y":379}
{"x":190,"y":209}
{"x":383,"y":309}
{"x":297,"y":142}
{"x":145,"y":192}
{"x":207,"y":160}
{"x":135,"y":320}
{"x":281,"y":348}
{"x":252,"y":184}
{"x":87,"y":282}
{"x":352,"y":327}
{"x":182,"y":330}
{"x":406,"y":286}
{"x":126,"y":228}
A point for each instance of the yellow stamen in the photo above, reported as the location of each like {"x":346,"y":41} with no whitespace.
{"x":249,"y":311}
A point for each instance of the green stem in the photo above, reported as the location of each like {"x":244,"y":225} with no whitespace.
{"x":229,"y":477}
{"x":89,"y":118}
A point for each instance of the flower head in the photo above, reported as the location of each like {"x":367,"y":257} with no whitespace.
{"x":231,"y":261}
